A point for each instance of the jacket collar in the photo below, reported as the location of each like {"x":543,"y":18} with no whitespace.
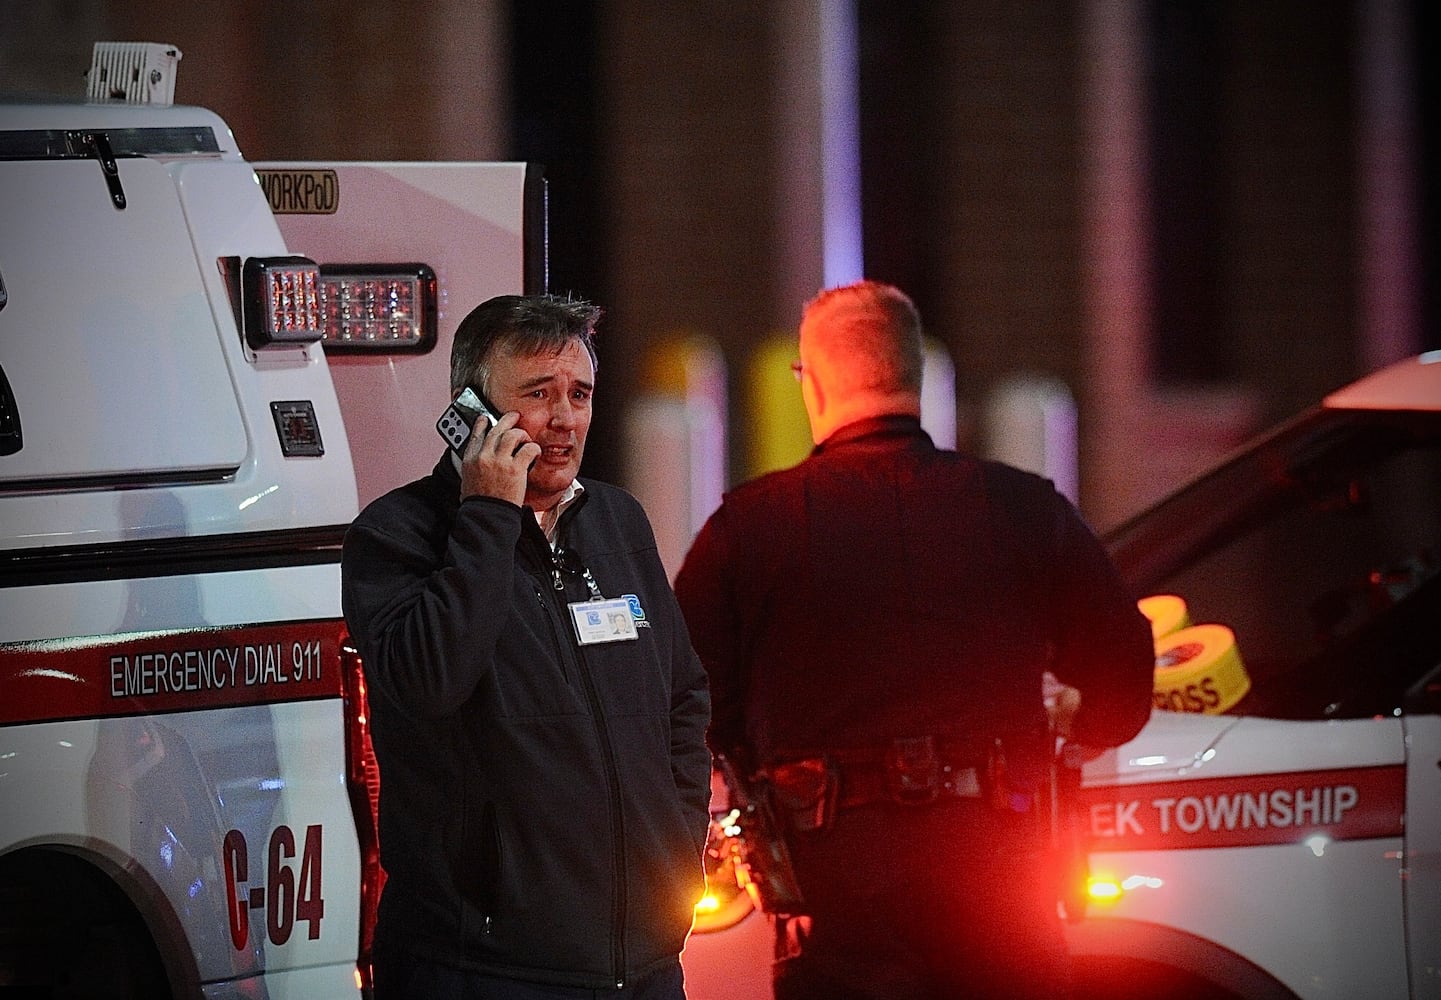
{"x":894,"y":428}
{"x":447,"y":472}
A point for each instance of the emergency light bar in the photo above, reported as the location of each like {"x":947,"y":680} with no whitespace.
{"x":378,"y":307}
{"x":281,"y":298}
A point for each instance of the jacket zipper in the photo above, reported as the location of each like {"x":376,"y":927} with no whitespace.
{"x":562,"y":652}
{"x":557,"y":605}
{"x":617,"y":820}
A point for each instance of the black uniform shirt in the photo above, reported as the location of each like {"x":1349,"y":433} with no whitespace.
{"x":885,"y":588}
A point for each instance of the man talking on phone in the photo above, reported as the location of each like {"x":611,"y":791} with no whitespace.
{"x":537,"y":710}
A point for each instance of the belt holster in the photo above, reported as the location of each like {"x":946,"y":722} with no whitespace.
{"x":1009,"y":789}
{"x":913,"y":770}
{"x":804,"y":793}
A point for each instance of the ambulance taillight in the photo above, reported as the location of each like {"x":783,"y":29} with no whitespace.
{"x":363,"y":782}
{"x":386,"y":308}
{"x":281,"y":301}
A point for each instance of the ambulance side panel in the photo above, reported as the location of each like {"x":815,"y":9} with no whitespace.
{"x":227,"y":825}
{"x":143,"y":412}
{"x":138,"y":316}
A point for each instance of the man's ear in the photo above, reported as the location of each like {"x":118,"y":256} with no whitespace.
{"x":817,"y":394}
{"x":814,"y":398}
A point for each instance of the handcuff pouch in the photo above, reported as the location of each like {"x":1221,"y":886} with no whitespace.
{"x":804,"y":793}
{"x":913,"y":770}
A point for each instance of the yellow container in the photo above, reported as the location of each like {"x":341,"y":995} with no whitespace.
{"x":1199,"y":669}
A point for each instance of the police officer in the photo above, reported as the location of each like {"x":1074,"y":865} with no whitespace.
{"x":876,"y":623}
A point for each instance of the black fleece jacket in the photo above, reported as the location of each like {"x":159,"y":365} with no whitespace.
{"x":543,"y":805}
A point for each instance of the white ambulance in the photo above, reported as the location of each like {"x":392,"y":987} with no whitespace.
{"x":186,"y":805}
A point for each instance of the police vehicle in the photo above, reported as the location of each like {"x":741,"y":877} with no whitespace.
{"x":1275,"y":830}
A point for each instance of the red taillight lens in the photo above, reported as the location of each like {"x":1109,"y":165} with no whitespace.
{"x":363,"y":781}
{"x":281,"y":301}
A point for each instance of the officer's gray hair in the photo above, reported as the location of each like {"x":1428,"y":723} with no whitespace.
{"x":873,"y":332}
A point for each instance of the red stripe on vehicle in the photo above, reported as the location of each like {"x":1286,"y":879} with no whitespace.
{"x":185,"y":670}
{"x":1341,"y":804}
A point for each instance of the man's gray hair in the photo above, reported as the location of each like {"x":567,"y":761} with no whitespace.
{"x":523,"y":324}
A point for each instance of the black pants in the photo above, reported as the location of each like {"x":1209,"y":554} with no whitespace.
{"x":937,"y":902}
{"x":400,"y":976}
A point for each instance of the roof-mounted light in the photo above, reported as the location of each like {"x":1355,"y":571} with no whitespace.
{"x":281,"y":301}
{"x":378,"y":307}
{"x":134,"y":72}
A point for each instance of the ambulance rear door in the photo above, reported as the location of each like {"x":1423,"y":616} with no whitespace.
{"x":98,"y":302}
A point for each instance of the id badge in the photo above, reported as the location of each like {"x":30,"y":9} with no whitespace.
{"x":603,"y":621}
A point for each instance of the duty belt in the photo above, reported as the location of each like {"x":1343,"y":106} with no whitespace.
{"x":862,"y":783}
{"x":910,"y":771}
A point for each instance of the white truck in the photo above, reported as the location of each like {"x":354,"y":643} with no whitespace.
{"x":191,"y":412}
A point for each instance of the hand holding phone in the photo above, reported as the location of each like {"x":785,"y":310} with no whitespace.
{"x":459,"y":420}
{"x":486,"y":472}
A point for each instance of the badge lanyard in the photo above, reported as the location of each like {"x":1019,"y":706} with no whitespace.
{"x":598,"y":619}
